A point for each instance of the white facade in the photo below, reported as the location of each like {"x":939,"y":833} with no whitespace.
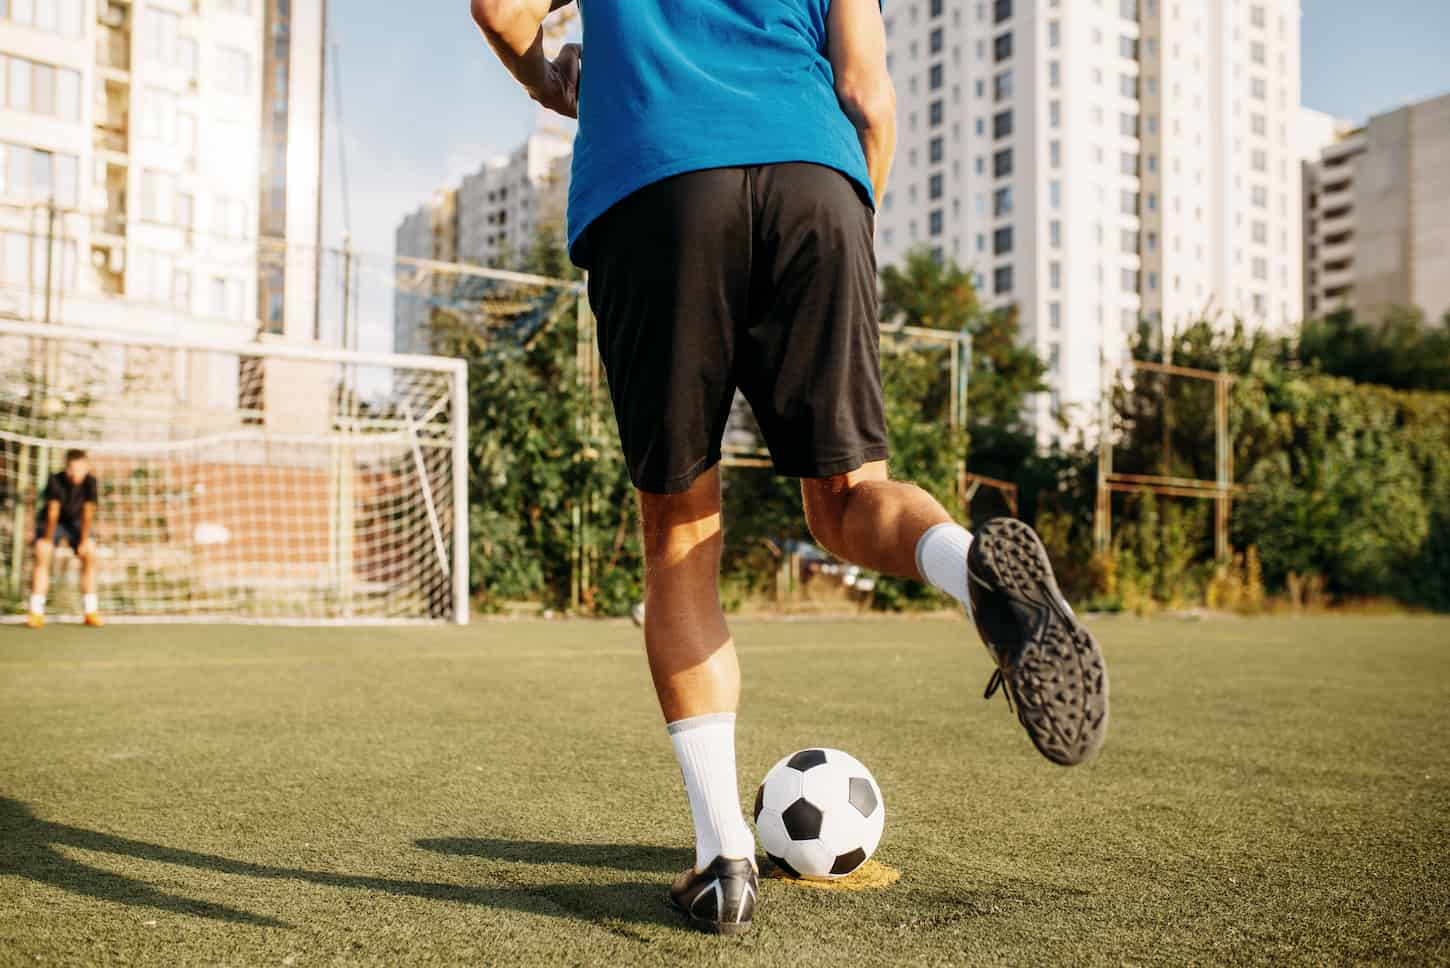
{"x":501,"y":206}
{"x":143,"y":121}
{"x":1098,"y":162}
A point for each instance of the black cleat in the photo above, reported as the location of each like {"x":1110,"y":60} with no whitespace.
{"x":721,"y":898}
{"x":1056,"y":679}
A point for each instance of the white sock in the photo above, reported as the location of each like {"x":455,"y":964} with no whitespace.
{"x":705,"y":747}
{"x":91,"y":603}
{"x":37,"y":604}
{"x":941,"y":557}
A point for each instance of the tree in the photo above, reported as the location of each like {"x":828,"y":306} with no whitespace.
{"x":1400,"y":351}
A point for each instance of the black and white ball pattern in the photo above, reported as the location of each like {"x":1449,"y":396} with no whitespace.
{"x":819,"y":814}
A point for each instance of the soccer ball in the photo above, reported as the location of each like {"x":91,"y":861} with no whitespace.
{"x":819,"y":814}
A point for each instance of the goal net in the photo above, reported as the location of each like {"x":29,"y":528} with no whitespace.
{"x":248,"y":482}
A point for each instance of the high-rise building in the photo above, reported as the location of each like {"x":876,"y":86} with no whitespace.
{"x":429,"y":233}
{"x":1099,"y":163}
{"x":502,"y":205}
{"x":150,"y":126}
{"x":490,"y":219}
{"x":1377,"y":216}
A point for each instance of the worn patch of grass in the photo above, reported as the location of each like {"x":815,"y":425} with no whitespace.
{"x":1273,"y":790}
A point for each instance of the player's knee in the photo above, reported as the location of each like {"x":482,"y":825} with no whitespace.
{"x":824,"y":500}
{"x":43,"y":550}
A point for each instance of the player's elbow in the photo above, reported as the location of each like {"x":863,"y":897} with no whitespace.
{"x":868,"y":98}
{"x":492,"y":15}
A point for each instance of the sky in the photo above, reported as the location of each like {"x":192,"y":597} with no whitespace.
{"x":424,"y":102}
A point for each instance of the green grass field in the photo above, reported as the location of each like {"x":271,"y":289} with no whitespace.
{"x":1272,"y":791}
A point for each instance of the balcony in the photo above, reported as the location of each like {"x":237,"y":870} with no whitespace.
{"x":1338,"y":252}
{"x":113,"y":50}
{"x":110,"y":137}
{"x":1341,"y":223}
{"x":1337,"y":280}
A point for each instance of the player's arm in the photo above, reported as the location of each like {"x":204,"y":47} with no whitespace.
{"x":856,"y":45}
{"x":52,"y":518}
{"x":514,"y":29}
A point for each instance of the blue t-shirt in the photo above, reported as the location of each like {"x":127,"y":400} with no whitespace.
{"x":670,"y":86}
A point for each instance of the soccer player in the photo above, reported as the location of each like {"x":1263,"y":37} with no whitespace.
{"x":726,"y":168}
{"x":67,"y":513}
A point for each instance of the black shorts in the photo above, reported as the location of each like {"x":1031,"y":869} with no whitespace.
{"x":761,"y":278}
{"x":66,"y":532}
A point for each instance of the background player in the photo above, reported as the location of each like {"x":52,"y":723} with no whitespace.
{"x":67,"y":513}
{"x":725,"y":170}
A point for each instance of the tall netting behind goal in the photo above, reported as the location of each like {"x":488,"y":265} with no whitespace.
{"x":251,"y":482}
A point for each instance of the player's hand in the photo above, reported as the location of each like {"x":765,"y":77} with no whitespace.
{"x":559,"y":89}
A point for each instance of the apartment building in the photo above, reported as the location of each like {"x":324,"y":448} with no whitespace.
{"x":490,"y":219}
{"x":143,"y":123}
{"x":1377,"y":215}
{"x":1101,"y":162}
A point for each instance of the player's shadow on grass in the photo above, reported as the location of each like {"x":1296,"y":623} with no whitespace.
{"x":29,"y":849}
{"x":624,"y":857}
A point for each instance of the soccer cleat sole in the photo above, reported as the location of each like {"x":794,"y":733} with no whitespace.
{"x":1058,"y":681}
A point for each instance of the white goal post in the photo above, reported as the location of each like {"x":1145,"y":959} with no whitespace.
{"x":241,"y":481}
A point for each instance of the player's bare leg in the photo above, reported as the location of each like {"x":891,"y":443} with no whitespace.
{"x":40,"y":582}
{"x":697,"y":679}
{"x":1050,"y":664}
{"x":87,"y":555}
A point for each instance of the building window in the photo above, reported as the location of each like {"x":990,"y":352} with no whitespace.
{"x":935,"y":76}
{"x":1128,"y":85}
{"x":935,"y":188}
{"x":1130,"y":280}
{"x":1259,"y":196}
{"x":1260,"y":268}
{"x":981,"y":88}
{"x":1128,"y":47}
{"x":1002,"y":280}
{"x":936,"y":7}
{"x":1130,"y":203}
{"x":1256,"y":15}
{"x":1054,"y":194}
{"x":1002,"y":240}
{"x":934,"y":222}
{"x":1129,"y":164}
{"x":1256,"y":51}
{"x":1001,"y":10}
{"x":936,"y":149}
{"x":1130,"y":241}
{"x":36,"y":88}
{"x":936,"y":41}
{"x":1054,"y":234}
{"x":1002,"y":163}
{"x":1129,"y":9}
{"x":1002,"y":47}
{"x":1054,"y":114}
{"x":1054,"y":276}
{"x":1258,"y":124}
{"x":1054,"y":75}
{"x":980,"y":165}
{"x":1258,"y":88}
{"x":1259,"y":159}
{"x":935,"y":112}
{"x":1002,"y":201}
{"x":1128,"y":125}
{"x":1054,"y":153}
{"x":1261,"y":232}
{"x":981,"y":127}
{"x":1054,"y":316}
{"x":33,"y":175}
{"x":1002,"y":86}
{"x":1001,"y":124}
{"x":1054,"y":33}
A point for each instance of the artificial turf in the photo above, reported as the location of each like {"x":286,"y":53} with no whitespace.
{"x":1273,"y":790}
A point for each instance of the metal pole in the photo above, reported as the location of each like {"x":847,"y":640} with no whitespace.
{"x":347,"y":292}
{"x":1102,"y":524}
{"x":1221,"y":503}
{"x":460,"y":494}
{"x":49,"y":254}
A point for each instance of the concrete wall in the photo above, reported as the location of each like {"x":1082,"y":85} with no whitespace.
{"x":1430,"y":206}
{"x":1382,"y":210}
